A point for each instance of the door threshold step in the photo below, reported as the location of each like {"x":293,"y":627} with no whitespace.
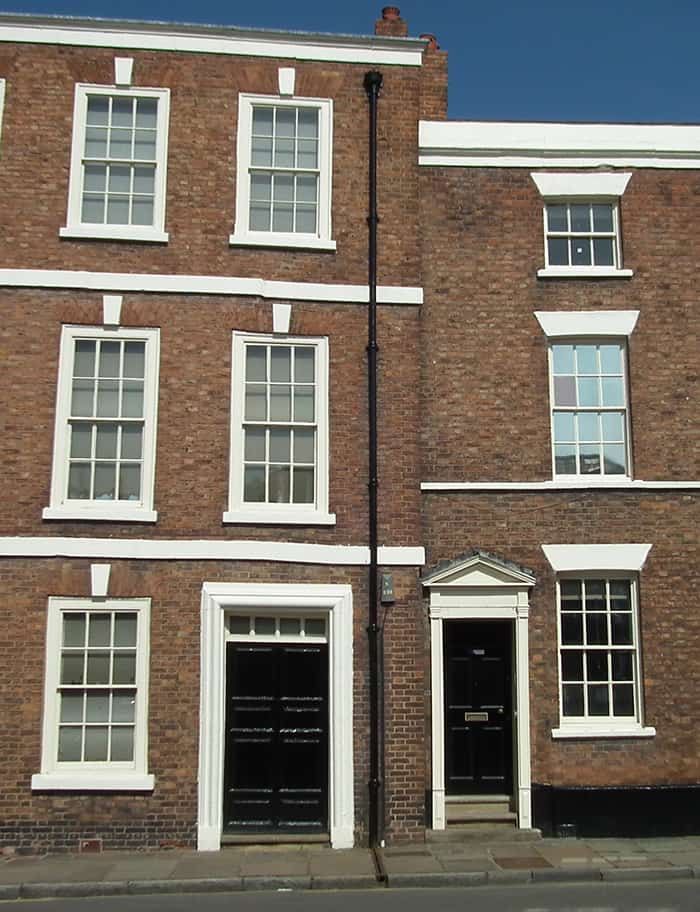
{"x":486,"y":833}
{"x":507,"y":818}
{"x":478,"y":799}
{"x":273,"y":838}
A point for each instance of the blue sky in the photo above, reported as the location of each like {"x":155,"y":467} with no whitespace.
{"x":620,"y":60}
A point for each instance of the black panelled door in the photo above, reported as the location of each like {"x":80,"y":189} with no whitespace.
{"x":478,"y":712}
{"x":276,"y":762}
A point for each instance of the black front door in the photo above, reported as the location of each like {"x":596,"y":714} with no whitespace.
{"x":276,"y":762}
{"x":478,"y":713}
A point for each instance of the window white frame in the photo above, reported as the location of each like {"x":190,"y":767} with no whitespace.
{"x":588,"y":189}
{"x":75,"y":226}
{"x":61,"y":507}
{"x":596,"y":342}
{"x":243,"y":235}
{"x":316,"y":512}
{"x":2,"y":103}
{"x":92,"y":776}
{"x":588,"y":725}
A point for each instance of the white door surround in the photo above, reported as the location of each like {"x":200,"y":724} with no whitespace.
{"x":218,"y":599}
{"x":480,"y":586}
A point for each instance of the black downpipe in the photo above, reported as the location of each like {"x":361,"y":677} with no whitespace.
{"x":373,"y":84}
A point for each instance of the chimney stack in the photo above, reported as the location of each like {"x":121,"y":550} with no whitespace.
{"x":391,"y":24}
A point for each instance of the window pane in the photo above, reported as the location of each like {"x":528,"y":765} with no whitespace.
{"x":71,"y":668}
{"x":97,"y":707}
{"x":622,"y":666}
{"x":105,"y":482}
{"x":570,"y":591}
{"x":564,"y":391}
{"x":81,"y":441}
{"x":284,"y":153}
{"x":256,"y":363}
{"x":95,"y":142}
{"x":290,"y":626}
{"x":79,"y":481}
{"x":303,"y":484}
{"x":587,"y":359}
{"x":558,"y":251}
{"x":144,"y":181}
{"x":71,"y":707}
{"x":283,"y":191}
{"x":587,"y":391}
{"x":255,"y":402}
{"x":307,"y":153}
{"x":119,"y":180}
{"x":588,"y":426}
{"x":280,"y":403}
{"x":556,"y":218}
{"x":620,"y":589}
{"x":84,"y":359}
{"x":123,"y":707}
{"x":145,"y":145}
{"x":260,"y":216}
{"x":265,"y":626}
{"x":254,"y":445}
{"x":580,"y":252}
{"x":308,"y":123}
{"x":565,"y":459}
{"x":572,"y":700}
{"x":603,"y":252}
{"x":82,"y":398}
{"x":572,"y":665}
{"x":596,"y":629}
{"x":142,"y":211}
{"x":283,"y":217}
{"x":120,"y":143}
{"x":93,"y":210}
{"x":95,"y":178}
{"x":132,"y":399}
{"x":125,"y":629}
{"x":122,"y":112}
{"x":614,"y":460}
{"x":147,"y":112}
{"x":129,"y":482}
{"x":597,"y":666}
{"x":621,"y":629}
{"x":122,"y":743}
{"x":306,"y":220}
{"x":261,"y":187}
{"x":70,"y":742}
{"x":97,"y":109}
{"x":315,"y":627}
{"x":598,"y":704}
{"x":132,"y":435}
{"x":580,"y":218}
{"x":304,"y":403}
{"x":124,"y":669}
{"x":613,"y":426}
{"x":279,"y":484}
{"x":108,"y":398}
{"x":97,"y":668}
{"x":118,"y":210}
{"x":304,"y":360}
{"x":280,"y":364}
{"x":106,"y":441}
{"x":304,"y":449}
{"x":240,"y":625}
{"x":612,"y":391}
{"x":99,"y":630}
{"x":96,"y":743}
{"x":306,"y":188}
{"x":285,"y":121}
{"x":261,"y":152}
{"x":254,"y":484}
{"x":611,"y":359}
{"x":602,"y":217}
{"x":572,"y":630}
{"x":623,"y":700}
{"x":262,"y":121}
{"x":73,"y":629}
{"x":280,"y":445}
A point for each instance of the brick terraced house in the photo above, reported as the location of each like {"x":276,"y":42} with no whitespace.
{"x":325,"y":526}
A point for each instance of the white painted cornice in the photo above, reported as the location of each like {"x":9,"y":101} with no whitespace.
{"x":573,"y":558}
{"x":209,"y":39}
{"x":558,"y":145}
{"x":555,"y":486}
{"x":206,"y":549}
{"x":124,"y":282}
{"x":587,"y":322}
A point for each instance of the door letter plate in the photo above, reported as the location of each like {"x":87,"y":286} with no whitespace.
{"x":476,"y":717}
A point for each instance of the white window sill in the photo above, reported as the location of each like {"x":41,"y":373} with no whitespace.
{"x":265,"y":239}
{"x":117,"y":514}
{"x":90,"y":781}
{"x":611,"y":731}
{"x":280,"y":517}
{"x":583,"y":272}
{"x":114,"y":233}
{"x":593,"y":481}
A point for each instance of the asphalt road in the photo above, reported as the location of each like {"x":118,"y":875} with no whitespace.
{"x":660,"y":896}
